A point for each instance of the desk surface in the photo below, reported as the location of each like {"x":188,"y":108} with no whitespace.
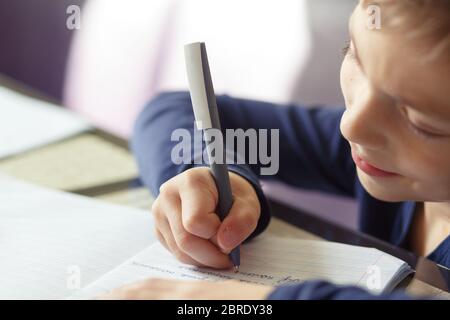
{"x":73,"y":164}
{"x":115,"y":182}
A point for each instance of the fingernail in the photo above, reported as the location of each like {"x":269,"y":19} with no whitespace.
{"x":230,"y":240}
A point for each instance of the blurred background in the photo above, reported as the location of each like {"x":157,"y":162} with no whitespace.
{"x":127,"y":51}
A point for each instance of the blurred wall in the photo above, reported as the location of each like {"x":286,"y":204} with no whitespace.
{"x":319,"y":81}
{"x":279,"y":51}
{"x":128,"y":50}
{"x":34,"y":42}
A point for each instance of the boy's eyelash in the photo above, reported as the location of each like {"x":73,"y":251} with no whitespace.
{"x":424,"y":134}
{"x":346,"y":48}
{"x":420,"y":132}
{"x":347,"y":51}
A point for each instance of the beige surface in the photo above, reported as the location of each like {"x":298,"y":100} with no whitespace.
{"x":419,"y":288}
{"x":138,"y":198}
{"x":80,"y":162}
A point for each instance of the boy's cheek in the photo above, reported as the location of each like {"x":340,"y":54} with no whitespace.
{"x":345,"y":79}
{"x":343,"y":125}
{"x":430,"y":163}
{"x":351,"y":81}
{"x":431,"y":179}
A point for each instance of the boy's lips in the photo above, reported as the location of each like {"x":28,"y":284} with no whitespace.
{"x":370,"y":169}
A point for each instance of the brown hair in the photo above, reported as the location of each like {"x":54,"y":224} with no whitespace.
{"x":428,"y":20}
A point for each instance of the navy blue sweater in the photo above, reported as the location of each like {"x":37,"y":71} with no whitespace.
{"x":313,"y":155}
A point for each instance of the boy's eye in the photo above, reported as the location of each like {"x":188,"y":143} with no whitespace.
{"x":418,"y":130}
{"x":421,"y":131}
{"x":425,"y":133}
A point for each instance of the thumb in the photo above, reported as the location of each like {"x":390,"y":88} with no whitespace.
{"x":240,"y":222}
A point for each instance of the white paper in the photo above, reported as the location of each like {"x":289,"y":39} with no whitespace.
{"x":266,"y":260}
{"x":47,"y":236}
{"x":27,"y":123}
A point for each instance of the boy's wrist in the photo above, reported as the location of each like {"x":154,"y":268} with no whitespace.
{"x":265,"y":214}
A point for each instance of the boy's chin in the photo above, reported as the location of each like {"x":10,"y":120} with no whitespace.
{"x":382,"y":190}
{"x":399,"y":189}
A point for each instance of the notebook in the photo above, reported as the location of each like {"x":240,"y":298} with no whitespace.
{"x":53,"y":243}
{"x":267,"y":260}
{"x":56,"y":245}
{"x":27,"y":123}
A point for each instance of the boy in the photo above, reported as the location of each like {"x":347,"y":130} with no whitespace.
{"x":389,"y":149}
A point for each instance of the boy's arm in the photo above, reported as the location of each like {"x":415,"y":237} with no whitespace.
{"x":312,"y":152}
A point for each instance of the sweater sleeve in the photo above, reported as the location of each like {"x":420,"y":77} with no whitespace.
{"x":309,"y":153}
{"x":322,"y":290}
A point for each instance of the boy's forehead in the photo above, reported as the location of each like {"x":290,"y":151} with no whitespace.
{"x":394,"y":63}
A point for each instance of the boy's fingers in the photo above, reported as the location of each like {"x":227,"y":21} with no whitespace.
{"x":198,"y":217}
{"x":163,"y":231}
{"x":199,"y":249}
{"x":237,"y":226}
{"x":166,"y":238}
{"x":216,"y":243}
{"x":161,"y":239}
{"x":213,"y":239}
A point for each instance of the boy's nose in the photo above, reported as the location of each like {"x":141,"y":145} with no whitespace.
{"x":365,"y":121}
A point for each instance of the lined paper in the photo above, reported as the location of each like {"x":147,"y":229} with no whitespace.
{"x":47,"y":236}
{"x":266,"y":260}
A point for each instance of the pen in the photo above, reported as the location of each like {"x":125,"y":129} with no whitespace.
{"x":207,"y":119}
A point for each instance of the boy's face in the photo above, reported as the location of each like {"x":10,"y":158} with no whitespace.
{"x":397,"y":117}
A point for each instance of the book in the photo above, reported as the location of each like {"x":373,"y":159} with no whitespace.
{"x":51,"y":238}
{"x":267,"y":260}
{"x":53,"y":243}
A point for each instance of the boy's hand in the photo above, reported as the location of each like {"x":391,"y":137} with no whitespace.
{"x":162,"y":289}
{"x":188,"y":226}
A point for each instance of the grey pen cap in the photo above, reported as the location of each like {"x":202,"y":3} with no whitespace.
{"x":197,"y":86}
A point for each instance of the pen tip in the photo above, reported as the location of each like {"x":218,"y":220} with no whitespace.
{"x":236,"y":269}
